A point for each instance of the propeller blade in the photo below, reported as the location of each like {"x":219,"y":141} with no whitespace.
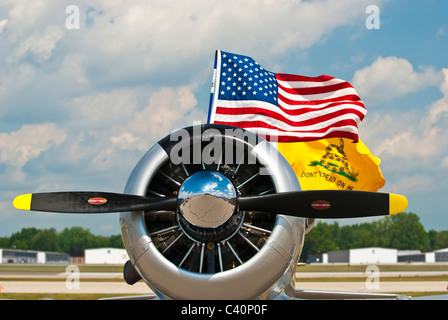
{"x":91,"y":202}
{"x":326,"y":204}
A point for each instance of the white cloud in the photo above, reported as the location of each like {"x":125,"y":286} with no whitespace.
{"x":392,"y":77}
{"x":18,"y":147}
{"x":413,"y":184}
{"x":103,"y":108}
{"x":183,"y":29}
{"x":439,"y":110}
{"x":128,"y":76}
{"x":441,"y":33}
{"x":167,"y":108}
{"x":128,"y":141}
{"x":122,"y":44}
{"x":427,"y":138}
{"x":444,"y":163}
{"x":40,"y":45}
{"x":3,"y":24}
{"x":412,"y":144}
{"x":124,"y":37}
{"x":25,"y":13}
{"x":108,"y":131}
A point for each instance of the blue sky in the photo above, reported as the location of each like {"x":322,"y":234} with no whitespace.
{"x":80,"y":106}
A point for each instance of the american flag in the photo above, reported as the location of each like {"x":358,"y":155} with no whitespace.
{"x":282,"y":107}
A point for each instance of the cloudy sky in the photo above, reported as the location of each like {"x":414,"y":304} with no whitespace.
{"x":81,"y":100}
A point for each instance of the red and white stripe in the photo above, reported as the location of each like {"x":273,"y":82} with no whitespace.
{"x":309,"y":108}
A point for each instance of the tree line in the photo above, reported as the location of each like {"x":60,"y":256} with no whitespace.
{"x":72,"y":240}
{"x":401,"y":231}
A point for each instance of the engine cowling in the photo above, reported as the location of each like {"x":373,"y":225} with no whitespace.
{"x":230,"y":254}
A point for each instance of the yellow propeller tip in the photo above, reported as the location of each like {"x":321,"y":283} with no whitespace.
{"x":23,"y":202}
{"x":397,"y":203}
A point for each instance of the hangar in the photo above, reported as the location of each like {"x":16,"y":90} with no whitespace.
{"x":441,"y":255}
{"x":373,"y":255}
{"x":379,"y":256}
{"x":361,"y":256}
{"x":32,"y":257}
{"x":418,"y":256}
{"x":105,"y":256}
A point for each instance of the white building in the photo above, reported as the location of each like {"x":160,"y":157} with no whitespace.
{"x":32,"y":257}
{"x":358,"y":256}
{"x":373,"y":256}
{"x":379,"y":256}
{"x":105,"y":256}
{"x":441,"y":255}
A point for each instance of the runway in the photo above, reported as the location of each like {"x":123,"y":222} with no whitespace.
{"x":382,"y":274}
{"x":96,"y":283}
{"x":113,"y":288}
{"x":382,"y":287}
{"x":86,"y":282}
{"x":112,"y":283}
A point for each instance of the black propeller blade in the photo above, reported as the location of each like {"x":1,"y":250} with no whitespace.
{"x":326,"y":203}
{"x":91,"y":202}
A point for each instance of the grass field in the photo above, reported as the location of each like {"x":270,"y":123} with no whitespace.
{"x":54,"y":296}
{"x":58,"y":268}
{"x":305,"y":268}
{"x":362,"y":268}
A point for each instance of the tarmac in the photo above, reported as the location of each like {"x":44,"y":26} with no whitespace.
{"x":381,"y":287}
{"x":141,"y":288}
{"x":83,"y":287}
{"x":98,"y":283}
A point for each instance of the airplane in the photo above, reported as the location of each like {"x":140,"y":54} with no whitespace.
{"x":214,"y":212}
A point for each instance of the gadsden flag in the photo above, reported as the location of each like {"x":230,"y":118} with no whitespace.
{"x":334,"y":163}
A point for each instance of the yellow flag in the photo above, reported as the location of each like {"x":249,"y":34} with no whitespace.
{"x":333,"y":164}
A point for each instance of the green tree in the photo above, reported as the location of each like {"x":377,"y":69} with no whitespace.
{"x":401,"y":231}
{"x":4,"y":242}
{"x":115,"y":241}
{"x":360,"y":235}
{"x":46,"y":240}
{"x":432,"y":239}
{"x":322,"y":238}
{"x":441,"y":240}
{"x":405,"y":232}
{"x":75,"y":240}
{"x":71,"y":240}
{"x":24,"y":239}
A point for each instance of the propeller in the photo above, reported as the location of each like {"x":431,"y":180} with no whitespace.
{"x":91,"y":202}
{"x":327,"y":204}
{"x":308,"y":204}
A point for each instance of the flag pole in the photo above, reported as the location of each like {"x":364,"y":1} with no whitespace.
{"x":215,"y":81}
